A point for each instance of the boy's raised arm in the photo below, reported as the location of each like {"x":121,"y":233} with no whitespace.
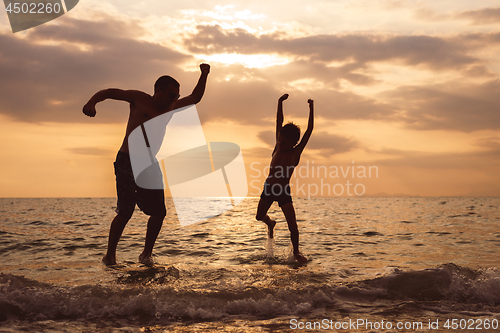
{"x":310,"y":126}
{"x":279,"y":115}
{"x":198,"y":91}
{"x":112,"y":93}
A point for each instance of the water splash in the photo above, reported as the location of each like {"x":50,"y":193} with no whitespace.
{"x":269,"y":245}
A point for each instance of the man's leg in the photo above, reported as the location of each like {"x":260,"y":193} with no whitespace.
{"x":154,"y":227}
{"x":115,"y":232}
{"x":261,"y":215}
{"x":125,"y":190}
{"x":152,"y":203}
{"x":291,"y":219}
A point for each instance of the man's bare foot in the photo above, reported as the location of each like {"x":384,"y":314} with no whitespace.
{"x":146,"y":260}
{"x":270,"y":226}
{"x":300,"y":258}
{"x":108,"y":261}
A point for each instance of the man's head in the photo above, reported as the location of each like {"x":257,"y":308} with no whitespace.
{"x":168,"y":88}
{"x":289,"y":136}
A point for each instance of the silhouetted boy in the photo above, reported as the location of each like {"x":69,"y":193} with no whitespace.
{"x":285,"y":158}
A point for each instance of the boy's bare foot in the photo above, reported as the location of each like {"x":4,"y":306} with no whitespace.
{"x":270,"y":227}
{"x":146,"y":260}
{"x":108,"y":261}
{"x":300,"y":258}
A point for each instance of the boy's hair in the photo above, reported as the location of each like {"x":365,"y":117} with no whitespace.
{"x":291,"y":131}
{"x":164,"y":81}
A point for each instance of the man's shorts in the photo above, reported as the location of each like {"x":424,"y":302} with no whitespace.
{"x":151,"y":202}
{"x":277,"y":192}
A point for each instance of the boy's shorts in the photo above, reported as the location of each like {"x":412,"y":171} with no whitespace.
{"x":151,"y":202}
{"x":277,"y":192}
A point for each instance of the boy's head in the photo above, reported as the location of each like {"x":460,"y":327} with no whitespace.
{"x":168,"y":87}
{"x":291,"y":133}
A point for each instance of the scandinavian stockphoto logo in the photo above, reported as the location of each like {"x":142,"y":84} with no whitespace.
{"x":205,"y":179}
{"x":25,"y":14}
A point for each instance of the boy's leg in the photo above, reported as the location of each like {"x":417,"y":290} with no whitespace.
{"x":291,"y":219}
{"x":289,"y":212}
{"x":261,"y":215}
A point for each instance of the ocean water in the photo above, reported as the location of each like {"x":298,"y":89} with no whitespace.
{"x":376,"y":265}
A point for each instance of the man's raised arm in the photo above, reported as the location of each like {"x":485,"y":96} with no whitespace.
{"x":118,"y":94}
{"x":198,"y":90}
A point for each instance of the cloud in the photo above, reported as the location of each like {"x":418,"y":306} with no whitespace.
{"x":251,"y":95}
{"x":318,"y":64}
{"x":246,"y":101}
{"x":331,"y":143}
{"x":479,"y":160}
{"x":473,"y":173}
{"x":268,"y":137}
{"x":460,"y":107}
{"x":437,"y":53}
{"x":491,"y":144}
{"x":51,"y":73}
{"x":481,"y":16}
{"x":94,"y":151}
{"x":429,"y":15}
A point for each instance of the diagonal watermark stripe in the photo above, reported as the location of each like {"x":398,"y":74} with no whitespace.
{"x":204,"y":180}
{"x":26,"y":14}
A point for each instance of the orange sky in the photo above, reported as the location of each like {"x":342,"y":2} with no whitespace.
{"x":409,"y":87}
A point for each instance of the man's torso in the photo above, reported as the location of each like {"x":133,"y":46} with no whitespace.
{"x":141,"y":110}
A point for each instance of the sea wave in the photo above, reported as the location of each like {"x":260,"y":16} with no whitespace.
{"x":156,"y":294}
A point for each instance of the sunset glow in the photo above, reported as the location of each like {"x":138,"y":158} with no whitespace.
{"x":409,"y":86}
{"x":247,"y":60}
